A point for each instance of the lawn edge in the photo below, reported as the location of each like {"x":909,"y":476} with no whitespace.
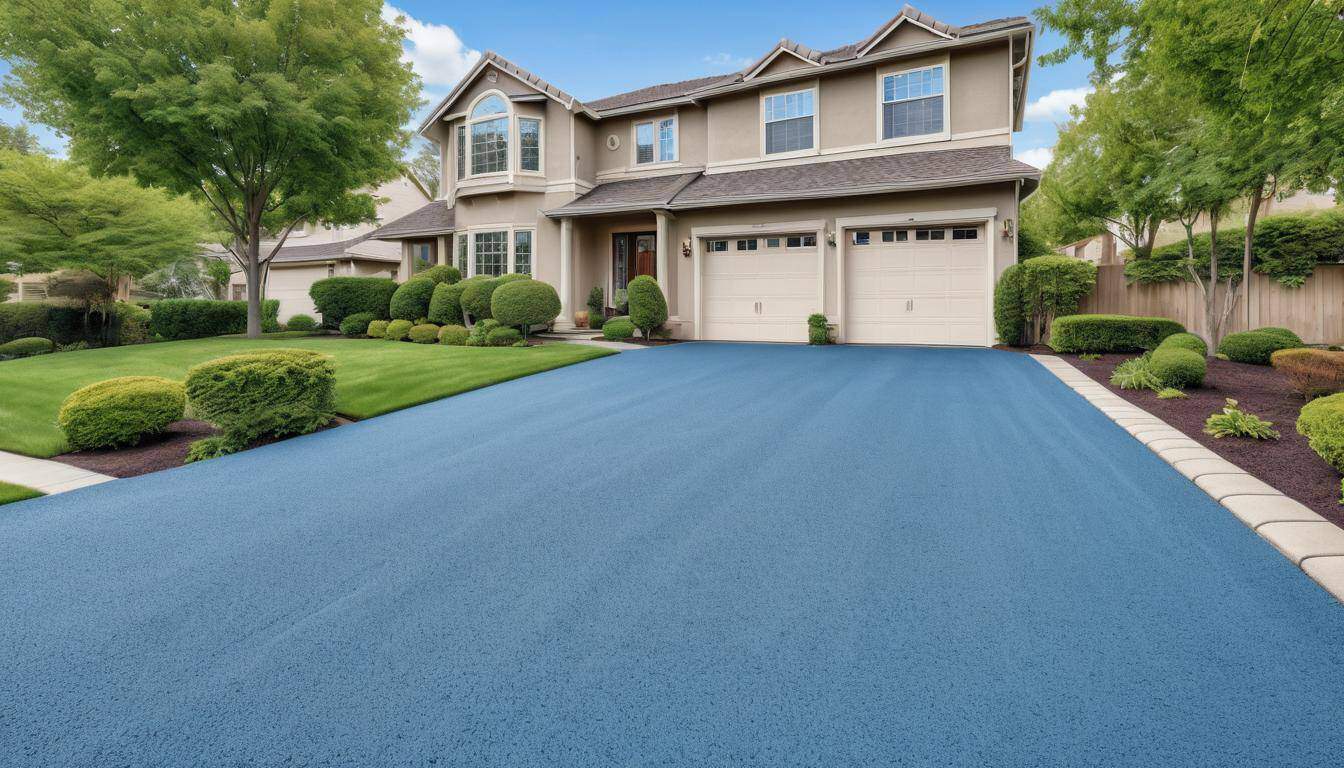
{"x":1310,"y":542}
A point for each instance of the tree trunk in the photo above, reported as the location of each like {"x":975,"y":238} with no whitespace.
{"x":253,"y":271}
{"x":1247,"y":242}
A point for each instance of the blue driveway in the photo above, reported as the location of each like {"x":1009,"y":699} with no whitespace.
{"x":697,"y":555}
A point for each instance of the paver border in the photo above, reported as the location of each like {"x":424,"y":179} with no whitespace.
{"x":1308,"y":540}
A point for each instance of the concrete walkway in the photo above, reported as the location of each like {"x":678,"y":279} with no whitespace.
{"x":46,"y":476}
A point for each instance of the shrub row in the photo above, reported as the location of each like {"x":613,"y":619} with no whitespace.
{"x":336,"y":298}
{"x":66,"y":325}
{"x":173,"y":319}
{"x":1110,"y":333}
{"x":1311,"y":373}
{"x":1257,"y":346}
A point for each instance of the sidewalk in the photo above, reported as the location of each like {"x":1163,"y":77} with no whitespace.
{"x":46,"y":476}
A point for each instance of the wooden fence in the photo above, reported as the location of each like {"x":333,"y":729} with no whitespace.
{"x":1315,"y":311}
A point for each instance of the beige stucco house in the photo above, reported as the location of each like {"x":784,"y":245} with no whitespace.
{"x":873,"y":182}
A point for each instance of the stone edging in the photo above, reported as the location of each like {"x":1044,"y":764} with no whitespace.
{"x":1311,"y":542}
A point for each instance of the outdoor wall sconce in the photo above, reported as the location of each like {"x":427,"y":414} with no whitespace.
{"x":686,"y":249}
{"x":830,"y":239}
{"x":1007,"y":229}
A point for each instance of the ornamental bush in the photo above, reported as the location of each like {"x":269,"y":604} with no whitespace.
{"x":336,"y":298}
{"x":1110,"y":333}
{"x":356,"y":325}
{"x":443,"y":273}
{"x":1178,"y":367}
{"x":1030,"y":295}
{"x":648,"y":306}
{"x":479,"y":292}
{"x":445,"y":305}
{"x":597,"y":303}
{"x":120,"y":411}
{"x":817,"y":332}
{"x":301,"y":323}
{"x":618,"y":329}
{"x":398,"y":330}
{"x":1185,"y":341}
{"x":1322,"y":423}
{"x":479,"y":331}
{"x":377,"y":329}
{"x":525,"y":303}
{"x":411,"y":300}
{"x":255,"y":395}
{"x":1311,"y":373}
{"x":1010,"y":316}
{"x":426,"y":333}
{"x":453,"y":335}
{"x":504,"y":336}
{"x":27,"y":347}
{"x":1256,"y":347}
{"x":174,"y":319}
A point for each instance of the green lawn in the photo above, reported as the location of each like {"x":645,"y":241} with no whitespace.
{"x":10,"y":492}
{"x":372,"y":376}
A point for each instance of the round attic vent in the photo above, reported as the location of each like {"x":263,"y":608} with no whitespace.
{"x":613,"y":142}
{"x":492,"y":76}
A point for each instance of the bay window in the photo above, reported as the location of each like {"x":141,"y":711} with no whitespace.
{"x":522,"y":251}
{"x":913,"y":103}
{"x":529,"y":144}
{"x":489,"y":129}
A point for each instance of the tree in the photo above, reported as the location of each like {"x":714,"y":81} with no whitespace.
{"x":17,"y":138}
{"x":425,"y":167}
{"x":217,"y":275}
{"x":178,"y":279}
{"x":270,"y":112}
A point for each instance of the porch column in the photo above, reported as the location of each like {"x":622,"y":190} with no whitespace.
{"x":444,"y":255}
{"x":662,"y":244}
{"x":566,"y":319}
{"x":404,"y":273}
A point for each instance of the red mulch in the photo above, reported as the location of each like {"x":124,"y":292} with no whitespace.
{"x":1288,"y":463}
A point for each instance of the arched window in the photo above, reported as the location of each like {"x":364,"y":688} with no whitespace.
{"x":488,"y":126}
{"x":490,"y":105}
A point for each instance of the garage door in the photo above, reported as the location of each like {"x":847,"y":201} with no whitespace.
{"x":759,"y":288}
{"x":917,"y":286}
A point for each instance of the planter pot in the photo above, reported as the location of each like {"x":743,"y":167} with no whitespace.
{"x":581,"y":319}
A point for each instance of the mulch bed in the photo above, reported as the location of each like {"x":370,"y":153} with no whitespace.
{"x":1288,"y":463}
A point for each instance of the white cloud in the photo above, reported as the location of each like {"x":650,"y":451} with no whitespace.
{"x":1055,"y":104}
{"x":435,"y":51}
{"x":1037,"y":156}
{"x":725,"y":62}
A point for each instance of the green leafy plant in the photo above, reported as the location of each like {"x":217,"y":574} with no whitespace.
{"x":817,"y":331}
{"x":1089,"y":356}
{"x":1322,"y":422}
{"x":1232,"y":421}
{"x":453,"y":335}
{"x":301,"y":323}
{"x":525,"y":303}
{"x":442,"y":273}
{"x":120,"y":411}
{"x":480,"y":331}
{"x":1110,"y":333}
{"x":377,"y":329}
{"x":618,"y":329}
{"x":1136,"y":373}
{"x":398,"y":330}
{"x":1171,"y":393}
{"x":174,"y":319}
{"x":596,"y":304}
{"x":411,"y":300}
{"x":356,"y":325}
{"x":648,"y":306}
{"x":27,"y":347}
{"x":503,"y":336}
{"x":255,"y":395}
{"x":1256,"y":347}
{"x":426,"y":333}
{"x":1178,"y":367}
{"x":445,"y":305}
{"x":336,"y":298}
{"x":1029,"y":295}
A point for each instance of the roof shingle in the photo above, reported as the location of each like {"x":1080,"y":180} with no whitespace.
{"x":435,"y":218}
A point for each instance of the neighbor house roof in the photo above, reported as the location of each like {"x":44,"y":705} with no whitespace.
{"x":292,"y":254}
{"x":838,"y":178}
{"x":437,"y":218}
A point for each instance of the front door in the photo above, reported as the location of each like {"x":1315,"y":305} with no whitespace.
{"x":633,"y":254}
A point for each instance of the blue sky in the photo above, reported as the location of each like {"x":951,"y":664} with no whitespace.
{"x":596,"y":49}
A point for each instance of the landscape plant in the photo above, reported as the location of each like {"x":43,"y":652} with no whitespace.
{"x":411,"y":299}
{"x":503,"y":336}
{"x":356,"y":325}
{"x":1136,"y":373}
{"x":1110,"y":333}
{"x":441,"y":273}
{"x":480,"y":332}
{"x":26,"y":347}
{"x":1312,"y":373}
{"x":618,"y":329}
{"x":120,"y":411}
{"x":377,"y":329}
{"x":648,"y":306}
{"x":398,"y":330}
{"x":301,"y":322}
{"x":453,"y":335}
{"x":479,"y":293}
{"x":597,"y":307}
{"x":173,"y":319}
{"x":1232,"y":421}
{"x":1256,"y":347}
{"x":426,"y":333}
{"x":445,"y":305}
{"x":339,"y":297}
{"x":1322,"y":423}
{"x":525,"y":303}
{"x":817,"y":330}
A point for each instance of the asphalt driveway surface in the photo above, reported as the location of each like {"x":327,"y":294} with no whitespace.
{"x":695,"y":555}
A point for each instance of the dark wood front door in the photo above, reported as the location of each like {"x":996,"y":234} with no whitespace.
{"x":633,"y":254}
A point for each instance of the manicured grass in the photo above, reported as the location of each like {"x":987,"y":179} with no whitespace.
{"x":372,"y":376}
{"x":10,"y":492}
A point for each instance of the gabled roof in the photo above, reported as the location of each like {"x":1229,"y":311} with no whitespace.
{"x":782,"y":48}
{"x":437,"y":218}
{"x":294,"y":254}
{"x":630,"y":195}
{"x":492,"y":59}
{"x":662,"y":92}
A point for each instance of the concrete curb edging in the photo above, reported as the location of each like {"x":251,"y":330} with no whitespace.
{"x":1308,"y":540}
{"x":46,"y":476}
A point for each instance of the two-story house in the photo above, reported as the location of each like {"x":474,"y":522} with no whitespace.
{"x":874,"y":183}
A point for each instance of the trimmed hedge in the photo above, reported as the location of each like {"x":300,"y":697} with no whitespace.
{"x":336,"y":298}
{"x":503,"y":336}
{"x":132,"y":324}
{"x":255,"y":395}
{"x":120,"y":411}
{"x":301,"y":323}
{"x":479,"y":293}
{"x":1185,"y":341}
{"x":377,"y":329}
{"x":1110,"y":333}
{"x":453,"y":335}
{"x":442,"y":274}
{"x":174,"y":319}
{"x":411,"y":301}
{"x":1029,"y":295}
{"x":1178,"y":367}
{"x":1312,"y":373}
{"x":648,"y":306}
{"x":445,"y":305}
{"x":356,"y":325}
{"x":1256,"y":347}
{"x":28,"y":347}
{"x":65,"y":324}
{"x":525,"y":303}
{"x":423,"y":334}
{"x":1010,"y":313}
{"x":618,"y":329}
{"x":1322,"y":423}
{"x":398,"y":330}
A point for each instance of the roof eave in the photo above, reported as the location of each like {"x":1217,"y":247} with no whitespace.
{"x":855,"y":191}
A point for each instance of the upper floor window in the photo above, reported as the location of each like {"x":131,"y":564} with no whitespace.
{"x":656,"y":141}
{"x":529,"y":144}
{"x":789,"y":122}
{"x":912,"y":103}
{"x":490,"y":105}
{"x":489,"y":129}
{"x":461,"y":151}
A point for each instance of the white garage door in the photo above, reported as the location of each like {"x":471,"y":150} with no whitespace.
{"x":759,"y":288}
{"x":917,"y":286}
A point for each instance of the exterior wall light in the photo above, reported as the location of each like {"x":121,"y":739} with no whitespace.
{"x":686,"y":249}
{"x":1007,"y":229}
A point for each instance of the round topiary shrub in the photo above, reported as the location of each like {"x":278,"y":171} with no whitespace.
{"x":480,"y":291}
{"x":442,"y":274}
{"x":411,"y":300}
{"x":453,"y":335}
{"x":1322,"y":423}
{"x":1185,"y":341}
{"x":1178,"y":367}
{"x":445,"y":305}
{"x":356,"y":325}
{"x":503,"y":337}
{"x":120,"y":411}
{"x":1256,"y":347}
{"x":525,"y":303}
{"x":1282,"y":332}
{"x":301,"y":323}
{"x":254,"y":395}
{"x":648,"y":307}
{"x":618,"y":329}
{"x":424,"y":334}
{"x":27,"y":347}
{"x":377,"y":329}
{"x":398,"y":330}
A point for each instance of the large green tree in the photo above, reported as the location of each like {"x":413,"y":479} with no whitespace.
{"x":425,"y":167}
{"x":18,"y":138}
{"x":271,"y":112}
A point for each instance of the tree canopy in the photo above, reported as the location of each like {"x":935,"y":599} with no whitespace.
{"x":17,"y":138}
{"x":425,"y":167}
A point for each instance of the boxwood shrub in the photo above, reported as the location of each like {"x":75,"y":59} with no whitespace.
{"x":1311,"y":372}
{"x":525,"y":303}
{"x":1185,"y":341}
{"x":1110,"y":333}
{"x":479,"y":294}
{"x":336,"y":298}
{"x":301,"y":322}
{"x":479,"y":331}
{"x":398,"y":330}
{"x":356,"y":325}
{"x":445,"y":304}
{"x":255,"y":395}
{"x":618,"y":329}
{"x":453,"y":335}
{"x":377,"y":329}
{"x":120,"y":411}
{"x":503,"y":336}
{"x":174,"y":319}
{"x":443,"y":273}
{"x":1256,"y":347}
{"x":411,"y":301}
{"x":817,"y":332}
{"x":648,"y":306}
{"x":423,"y":334}
{"x":27,"y":347}
{"x":1178,"y":367}
{"x":1322,"y":423}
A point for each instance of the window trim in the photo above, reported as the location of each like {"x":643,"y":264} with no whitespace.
{"x":460,"y":153}
{"x":541,"y":144}
{"x":815,"y":88}
{"x":510,"y":255}
{"x":513,"y":251}
{"x":653,"y":123}
{"x":510,"y":127}
{"x":883,"y":73}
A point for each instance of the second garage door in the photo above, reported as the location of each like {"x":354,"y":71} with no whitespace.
{"x":759,"y":288}
{"x":917,"y":286}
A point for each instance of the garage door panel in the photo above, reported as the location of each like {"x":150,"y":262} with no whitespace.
{"x":762,"y":295}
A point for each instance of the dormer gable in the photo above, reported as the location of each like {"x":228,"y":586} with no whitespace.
{"x":786,"y":56}
{"x":909,"y":27}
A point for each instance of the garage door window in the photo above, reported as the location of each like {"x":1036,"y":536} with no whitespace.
{"x":862,"y":238}
{"x":718,"y":246}
{"x":801,"y":241}
{"x":746,"y":245}
{"x":965,"y":234}
{"x":930,"y":234}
